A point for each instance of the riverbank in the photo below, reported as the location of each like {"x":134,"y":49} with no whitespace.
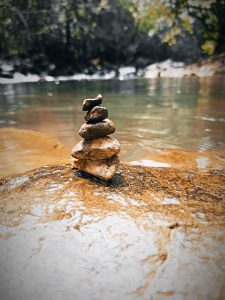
{"x":214,"y":66}
{"x":11,"y":77}
{"x":206,"y":68}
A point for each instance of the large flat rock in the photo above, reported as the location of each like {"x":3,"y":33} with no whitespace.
{"x":151,"y":233}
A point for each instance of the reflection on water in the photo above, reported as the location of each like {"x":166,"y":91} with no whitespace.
{"x":186,"y":114}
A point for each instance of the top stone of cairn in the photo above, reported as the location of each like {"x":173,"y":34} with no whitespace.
{"x":88,"y":104}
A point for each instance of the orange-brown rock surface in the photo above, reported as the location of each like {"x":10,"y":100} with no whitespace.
{"x":150,"y":233}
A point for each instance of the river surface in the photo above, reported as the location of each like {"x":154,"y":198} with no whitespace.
{"x":185,"y":114}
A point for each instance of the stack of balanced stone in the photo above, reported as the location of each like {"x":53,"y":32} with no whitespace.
{"x":97,"y":153}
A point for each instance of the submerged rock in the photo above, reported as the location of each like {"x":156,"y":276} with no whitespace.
{"x":100,"y":148}
{"x":98,"y":113}
{"x":104,"y":168}
{"x":97,"y":130}
{"x":29,"y":150}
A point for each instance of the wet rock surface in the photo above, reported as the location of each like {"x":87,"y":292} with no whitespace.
{"x":149,"y":233}
{"x":98,"y":113}
{"x":101,"y":148}
{"x":88,"y":104}
{"x":97,"y":130}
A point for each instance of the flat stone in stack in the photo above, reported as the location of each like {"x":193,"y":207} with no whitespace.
{"x":101,"y":148}
{"x":96,"y":130}
{"x":97,"y":153}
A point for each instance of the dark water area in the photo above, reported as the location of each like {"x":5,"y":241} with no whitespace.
{"x":150,"y":114}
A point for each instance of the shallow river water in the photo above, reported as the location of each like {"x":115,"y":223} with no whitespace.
{"x":150,"y":114}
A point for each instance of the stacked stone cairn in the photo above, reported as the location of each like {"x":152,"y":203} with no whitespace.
{"x":97,"y":153}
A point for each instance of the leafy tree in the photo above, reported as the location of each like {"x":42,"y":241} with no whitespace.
{"x":171,"y":18}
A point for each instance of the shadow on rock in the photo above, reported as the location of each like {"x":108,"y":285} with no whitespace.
{"x":117,"y":181}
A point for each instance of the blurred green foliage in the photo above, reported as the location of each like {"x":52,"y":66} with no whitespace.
{"x":169,"y":18}
{"x":61,"y":36}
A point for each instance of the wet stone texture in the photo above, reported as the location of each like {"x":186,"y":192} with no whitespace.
{"x":150,"y":233}
{"x":96,"y":149}
{"x":88,"y":104}
{"x":98,"y":113}
{"x":102,"y":169}
{"x":97,"y":130}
